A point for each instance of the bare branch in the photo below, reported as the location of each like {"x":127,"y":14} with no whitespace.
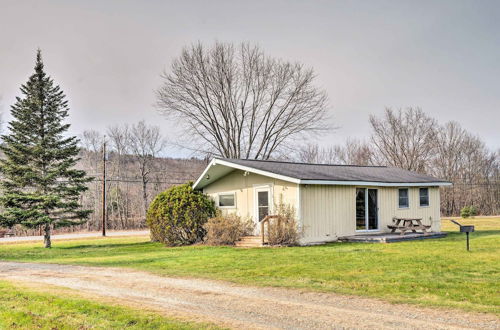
{"x":239,"y":102}
{"x":405,"y":139}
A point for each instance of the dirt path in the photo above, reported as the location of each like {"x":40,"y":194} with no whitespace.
{"x":242,"y":306}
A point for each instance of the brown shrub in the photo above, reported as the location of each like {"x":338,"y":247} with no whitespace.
{"x":226,"y":229}
{"x":283,"y":229}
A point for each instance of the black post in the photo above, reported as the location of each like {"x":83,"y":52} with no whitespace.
{"x":467,"y":233}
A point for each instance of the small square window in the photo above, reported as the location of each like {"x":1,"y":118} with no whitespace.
{"x":227,"y":200}
{"x":424,"y":196}
{"x":403,"y":198}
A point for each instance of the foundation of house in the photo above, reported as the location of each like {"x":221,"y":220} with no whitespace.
{"x":390,"y":237}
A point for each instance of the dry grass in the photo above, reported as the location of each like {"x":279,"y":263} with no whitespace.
{"x":480,"y":223}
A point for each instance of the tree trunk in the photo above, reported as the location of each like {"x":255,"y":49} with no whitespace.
{"x":46,"y":236}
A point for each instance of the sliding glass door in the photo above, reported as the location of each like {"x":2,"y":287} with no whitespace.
{"x":366,"y":209}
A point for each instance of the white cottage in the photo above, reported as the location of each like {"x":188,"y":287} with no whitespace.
{"x":331,"y":201}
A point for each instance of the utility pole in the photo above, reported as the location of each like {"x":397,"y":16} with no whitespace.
{"x":104,"y":187}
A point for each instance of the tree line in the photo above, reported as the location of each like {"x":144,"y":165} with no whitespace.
{"x":234,"y":101}
{"x":405,"y":138}
{"x":412,"y":140}
{"x":136,"y":172}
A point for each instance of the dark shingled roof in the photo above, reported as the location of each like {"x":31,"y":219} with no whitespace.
{"x":304,"y":171}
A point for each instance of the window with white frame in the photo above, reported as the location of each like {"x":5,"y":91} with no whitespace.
{"x":424,"y":196}
{"x":227,"y":200}
{"x":404,"y":200}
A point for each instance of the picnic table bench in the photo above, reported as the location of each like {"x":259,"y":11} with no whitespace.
{"x":408,"y":224}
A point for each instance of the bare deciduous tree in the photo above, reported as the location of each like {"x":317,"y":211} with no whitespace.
{"x":412,"y":140}
{"x":311,"y":153}
{"x":354,"y":152}
{"x":146,"y":143}
{"x":450,"y":151}
{"x":240,"y":103}
{"x":91,"y":142}
{"x":119,"y":138}
{"x":404,"y":138}
{"x":463,"y":159}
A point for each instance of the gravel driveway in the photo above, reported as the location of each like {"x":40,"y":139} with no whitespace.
{"x":242,"y":306}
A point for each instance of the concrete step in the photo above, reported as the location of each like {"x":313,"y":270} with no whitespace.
{"x":250,"y":238}
{"x":242,"y":245}
{"x":250,"y":242}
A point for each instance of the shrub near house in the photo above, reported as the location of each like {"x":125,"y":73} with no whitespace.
{"x":283,"y":230}
{"x":183,"y":216}
{"x":177,"y":215}
{"x":227,"y":229}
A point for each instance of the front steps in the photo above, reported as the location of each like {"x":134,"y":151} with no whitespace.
{"x":249,"y":242}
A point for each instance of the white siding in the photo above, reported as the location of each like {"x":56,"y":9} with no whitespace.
{"x":329,"y":212}
{"x":388,"y":201}
{"x":325,"y":212}
{"x":243,"y":186}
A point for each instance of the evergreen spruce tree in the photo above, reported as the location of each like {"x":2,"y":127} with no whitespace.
{"x":40,"y":185}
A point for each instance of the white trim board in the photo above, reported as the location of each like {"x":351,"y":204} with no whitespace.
{"x":377,"y":184}
{"x":203,"y":174}
{"x":257,"y":171}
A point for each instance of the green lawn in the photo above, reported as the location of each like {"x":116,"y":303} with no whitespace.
{"x":25,"y":308}
{"x":436,"y":272}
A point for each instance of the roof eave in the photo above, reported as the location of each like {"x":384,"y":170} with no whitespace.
{"x":256,"y":171}
{"x":217,"y":161}
{"x":197,"y":183}
{"x":376,"y":183}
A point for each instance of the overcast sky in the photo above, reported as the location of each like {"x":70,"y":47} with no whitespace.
{"x":443,"y":56}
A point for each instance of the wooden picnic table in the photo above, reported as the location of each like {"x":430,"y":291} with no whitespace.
{"x":408,"y":224}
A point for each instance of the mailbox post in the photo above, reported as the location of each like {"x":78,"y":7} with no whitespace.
{"x":466,"y":230}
